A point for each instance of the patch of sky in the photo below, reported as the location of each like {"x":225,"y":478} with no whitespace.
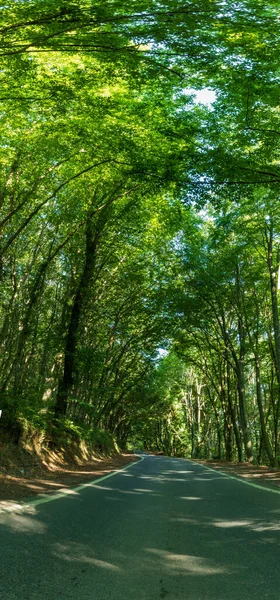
{"x":161,"y":352}
{"x":205,"y":96}
{"x":205,"y":215}
{"x":178,"y":241}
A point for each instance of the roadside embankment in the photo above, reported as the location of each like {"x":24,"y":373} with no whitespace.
{"x":32,"y":467}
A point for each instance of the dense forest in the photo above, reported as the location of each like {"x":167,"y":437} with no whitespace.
{"x":140,"y":224}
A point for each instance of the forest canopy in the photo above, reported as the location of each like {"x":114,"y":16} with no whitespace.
{"x":140,"y":224}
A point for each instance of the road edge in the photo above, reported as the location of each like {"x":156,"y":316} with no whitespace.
{"x":44,"y":498}
{"x":255,"y":485}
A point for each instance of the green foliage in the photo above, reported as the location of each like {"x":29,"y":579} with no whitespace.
{"x":66,"y":433}
{"x":136,"y":218}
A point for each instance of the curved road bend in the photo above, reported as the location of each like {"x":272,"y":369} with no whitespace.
{"x":164,"y":528}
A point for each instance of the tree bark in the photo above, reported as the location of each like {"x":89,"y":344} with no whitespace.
{"x":265,"y":438}
{"x":273,"y":270}
{"x":80,"y":299}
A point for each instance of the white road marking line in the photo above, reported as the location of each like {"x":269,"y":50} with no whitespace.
{"x":62,"y":493}
{"x":255,"y":485}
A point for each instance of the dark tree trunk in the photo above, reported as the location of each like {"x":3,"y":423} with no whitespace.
{"x":273,"y":270}
{"x":232,"y":411}
{"x":80,"y":300}
{"x":264,"y":435}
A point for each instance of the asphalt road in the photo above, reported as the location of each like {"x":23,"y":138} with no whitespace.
{"x":163,"y":529}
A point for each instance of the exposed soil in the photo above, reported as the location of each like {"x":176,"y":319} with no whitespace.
{"x":24,"y":473}
{"x":261,"y":475}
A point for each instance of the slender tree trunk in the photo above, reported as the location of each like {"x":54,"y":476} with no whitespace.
{"x":273,"y":271}
{"x":232,"y":411}
{"x":239,"y":360}
{"x":264,"y":435}
{"x":242,"y":410}
{"x":80,"y":299}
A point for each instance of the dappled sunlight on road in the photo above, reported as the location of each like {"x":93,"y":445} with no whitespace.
{"x":189,"y":498}
{"x":75,"y":552}
{"x":176,"y":472}
{"x":20,"y":519}
{"x":142,"y":490}
{"x":160,"y":478}
{"x":254,"y":525}
{"x":186,"y":563}
{"x":227,"y":524}
{"x":67,"y":491}
{"x":266,"y":527}
{"x":7,"y":506}
{"x":183,"y":520}
{"x":103,"y":487}
{"x":208,"y":479}
{"x":150,"y":534}
{"x":23,"y":524}
{"x":135,"y":492}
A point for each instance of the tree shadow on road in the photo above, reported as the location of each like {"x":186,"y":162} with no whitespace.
{"x":146,"y":537}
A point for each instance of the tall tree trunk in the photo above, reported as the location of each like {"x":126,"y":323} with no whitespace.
{"x":80,"y":300}
{"x":232,"y":410}
{"x":273,"y":271}
{"x":239,"y":360}
{"x":264,"y":434}
{"x":242,"y":410}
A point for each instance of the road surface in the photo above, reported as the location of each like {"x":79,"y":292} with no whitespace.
{"x":162,"y":529}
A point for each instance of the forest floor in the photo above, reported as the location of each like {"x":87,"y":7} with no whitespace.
{"x":260,"y":475}
{"x":25,"y":474}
